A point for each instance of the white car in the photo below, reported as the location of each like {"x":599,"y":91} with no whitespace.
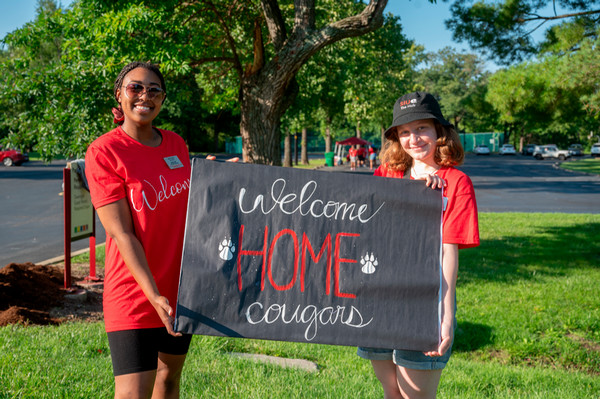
{"x":507,"y":149}
{"x":550,"y":151}
{"x":596,"y":150}
{"x":481,"y":150}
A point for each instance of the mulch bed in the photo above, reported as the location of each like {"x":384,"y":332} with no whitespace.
{"x":35,"y":295}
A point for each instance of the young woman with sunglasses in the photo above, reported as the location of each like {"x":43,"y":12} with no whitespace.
{"x":139,"y":178}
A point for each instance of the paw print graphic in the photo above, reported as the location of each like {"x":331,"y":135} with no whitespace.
{"x":369,"y":263}
{"x":226,"y":249}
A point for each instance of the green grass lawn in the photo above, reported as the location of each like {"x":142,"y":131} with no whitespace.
{"x":587,"y":165}
{"x":528,"y":327}
{"x":312,"y":163}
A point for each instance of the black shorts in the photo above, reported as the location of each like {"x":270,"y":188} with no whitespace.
{"x":134,"y":351}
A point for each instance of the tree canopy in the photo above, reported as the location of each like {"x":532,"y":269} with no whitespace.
{"x":550,"y":91}
{"x":459,"y":81}
{"x":503,"y":30}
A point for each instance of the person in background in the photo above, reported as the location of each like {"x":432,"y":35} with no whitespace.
{"x":422,"y":144}
{"x":353,"y":154}
{"x":362,"y":155}
{"x":372,"y":157}
{"x":139,"y":179}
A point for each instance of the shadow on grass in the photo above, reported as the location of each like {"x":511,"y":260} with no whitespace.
{"x":550,"y":251}
{"x":471,"y":336}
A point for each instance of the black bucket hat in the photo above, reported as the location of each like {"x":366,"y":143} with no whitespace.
{"x":414,"y":106}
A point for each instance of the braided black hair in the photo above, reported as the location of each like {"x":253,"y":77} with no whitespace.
{"x":133,"y":65}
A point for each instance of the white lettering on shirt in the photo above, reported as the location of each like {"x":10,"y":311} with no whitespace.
{"x":151,"y":196}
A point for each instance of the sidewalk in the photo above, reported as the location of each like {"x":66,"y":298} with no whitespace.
{"x":345,"y":168}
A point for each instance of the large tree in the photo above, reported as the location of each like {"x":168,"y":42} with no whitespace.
{"x":268,"y":86}
{"x":555,"y":98}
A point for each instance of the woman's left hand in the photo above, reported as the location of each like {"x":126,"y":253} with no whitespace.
{"x":447,"y":334}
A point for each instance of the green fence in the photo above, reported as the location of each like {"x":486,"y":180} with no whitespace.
{"x":234,"y":146}
{"x":317,"y":143}
{"x":492,"y":140}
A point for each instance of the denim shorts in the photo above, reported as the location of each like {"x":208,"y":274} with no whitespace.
{"x":404,"y":358}
{"x":409,"y":359}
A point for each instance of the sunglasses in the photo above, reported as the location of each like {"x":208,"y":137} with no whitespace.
{"x":133,"y":90}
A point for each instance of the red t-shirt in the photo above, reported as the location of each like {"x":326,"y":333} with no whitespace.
{"x":460,"y":221}
{"x":352,"y":152}
{"x":155,"y":181}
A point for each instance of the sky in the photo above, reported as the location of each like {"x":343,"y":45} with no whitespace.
{"x":421,"y":21}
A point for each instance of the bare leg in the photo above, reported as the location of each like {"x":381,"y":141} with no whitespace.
{"x":134,"y":385}
{"x":385,"y":371}
{"x":168,"y":376}
{"x":418,"y":384}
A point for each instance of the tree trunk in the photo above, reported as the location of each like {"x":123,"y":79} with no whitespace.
{"x":263,"y":101}
{"x":327,"y":139}
{"x":304,"y":144}
{"x":456,"y":121}
{"x":287,"y":150}
{"x":358,"y":133}
{"x":521,"y":143}
{"x":216,"y":128}
{"x":260,"y":127}
{"x":296,"y":149}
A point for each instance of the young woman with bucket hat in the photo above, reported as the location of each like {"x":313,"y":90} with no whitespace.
{"x":421,"y":144}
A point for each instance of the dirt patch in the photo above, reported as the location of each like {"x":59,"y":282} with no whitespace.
{"x":587,"y":344}
{"x":34,"y":295}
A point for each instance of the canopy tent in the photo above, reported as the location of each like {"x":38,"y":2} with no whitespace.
{"x":353,"y":141}
{"x":339,"y":147}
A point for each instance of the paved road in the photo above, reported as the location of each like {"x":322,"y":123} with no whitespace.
{"x":31,"y":211}
{"x":524,"y":184}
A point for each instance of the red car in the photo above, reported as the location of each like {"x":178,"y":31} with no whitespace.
{"x":10,"y":157}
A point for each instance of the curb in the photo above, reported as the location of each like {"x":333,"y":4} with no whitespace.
{"x":61,"y":258}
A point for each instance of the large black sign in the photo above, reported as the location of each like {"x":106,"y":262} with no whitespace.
{"x":309,"y":256}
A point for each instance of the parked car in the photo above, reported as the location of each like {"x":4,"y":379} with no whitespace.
{"x":550,"y":151}
{"x":596,"y":150}
{"x":528,"y":149}
{"x":576,"y":150}
{"x":481,"y":150}
{"x":10,"y":157}
{"x":507,"y":149}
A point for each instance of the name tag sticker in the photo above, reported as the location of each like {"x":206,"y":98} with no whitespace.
{"x":173,"y":162}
